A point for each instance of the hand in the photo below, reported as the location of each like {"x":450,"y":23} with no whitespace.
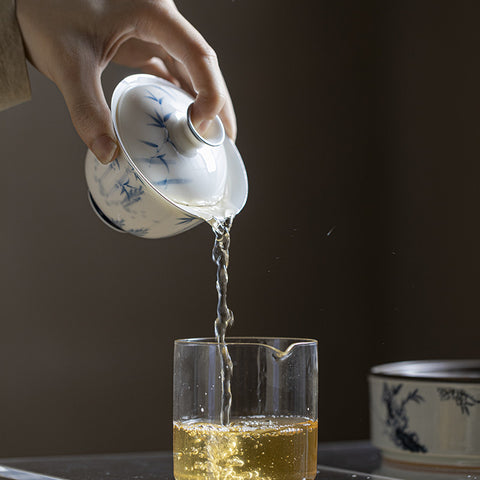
{"x":71,"y":42}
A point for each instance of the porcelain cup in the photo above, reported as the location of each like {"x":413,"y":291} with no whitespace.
{"x":427,"y":412}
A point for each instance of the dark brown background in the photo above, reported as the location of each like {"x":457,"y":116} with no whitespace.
{"x":355,"y":118}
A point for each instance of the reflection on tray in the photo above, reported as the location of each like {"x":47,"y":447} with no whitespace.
{"x":413,"y":472}
{"x":385,"y":472}
{"x":324,"y":473}
{"x":330,"y":473}
{"x":15,"y":474}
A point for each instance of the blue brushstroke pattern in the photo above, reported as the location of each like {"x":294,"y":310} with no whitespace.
{"x":173,"y":181}
{"x":184,"y":220}
{"x":157,"y":119}
{"x":151,"y":96}
{"x":397,"y":420}
{"x":150,"y":144}
{"x":139,"y":232}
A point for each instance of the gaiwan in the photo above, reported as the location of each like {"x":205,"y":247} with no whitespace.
{"x":167,"y":178}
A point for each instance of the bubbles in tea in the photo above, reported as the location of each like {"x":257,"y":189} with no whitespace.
{"x":267,"y":448}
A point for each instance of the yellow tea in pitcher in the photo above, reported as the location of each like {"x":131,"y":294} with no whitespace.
{"x":266,"y":448}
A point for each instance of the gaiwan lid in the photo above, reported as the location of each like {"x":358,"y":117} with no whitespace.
{"x":152,"y":121}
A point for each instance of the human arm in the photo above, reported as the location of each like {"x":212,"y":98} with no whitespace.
{"x":73,"y":42}
{"x":14,"y":83}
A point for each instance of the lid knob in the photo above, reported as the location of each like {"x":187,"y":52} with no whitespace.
{"x":215,"y":134}
{"x":187,"y":138}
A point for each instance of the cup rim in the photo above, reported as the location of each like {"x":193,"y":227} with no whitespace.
{"x":446,"y":370}
{"x":244,"y":341}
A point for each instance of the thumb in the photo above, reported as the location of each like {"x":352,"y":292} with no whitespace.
{"x":89,"y":111}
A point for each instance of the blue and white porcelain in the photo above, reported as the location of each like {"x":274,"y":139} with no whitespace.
{"x":427,"y":412}
{"x":167,"y":178}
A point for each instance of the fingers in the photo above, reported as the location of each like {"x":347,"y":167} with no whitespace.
{"x":211,"y":95}
{"x":229,"y":119}
{"x":135,"y":53}
{"x":150,"y":58}
{"x":181,"y":41}
{"x":153,"y":58}
{"x":82,"y":90}
{"x":155,"y":66}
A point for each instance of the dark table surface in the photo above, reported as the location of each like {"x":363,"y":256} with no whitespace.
{"x":356,"y":456}
{"x":337,"y":461}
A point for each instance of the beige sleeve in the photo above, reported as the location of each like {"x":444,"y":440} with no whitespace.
{"x":14,"y":82}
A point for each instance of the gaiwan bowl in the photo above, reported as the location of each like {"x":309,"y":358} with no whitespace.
{"x":167,"y":177}
{"x":427,"y":412}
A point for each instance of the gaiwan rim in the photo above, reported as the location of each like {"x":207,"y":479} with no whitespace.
{"x":453,"y":371}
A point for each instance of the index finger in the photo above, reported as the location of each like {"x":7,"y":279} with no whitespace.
{"x":166,"y":26}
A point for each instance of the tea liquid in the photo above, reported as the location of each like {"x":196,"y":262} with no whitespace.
{"x":266,"y":448}
{"x":220,"y":254}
